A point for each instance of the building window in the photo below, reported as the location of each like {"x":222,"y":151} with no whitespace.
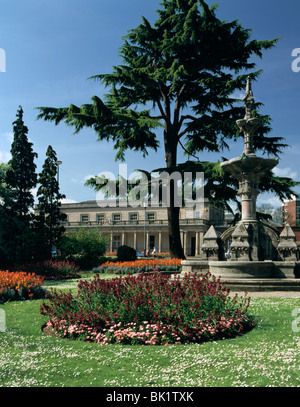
{"x":151,"y":217}
{"x":297,"y":212}
{"x":84,"y":218}
{"x":116,"y":242}
{"x":151,"y":242}
{"x":116,"y":217}
{"x":100,"y":218}
{"x":133,"y":217}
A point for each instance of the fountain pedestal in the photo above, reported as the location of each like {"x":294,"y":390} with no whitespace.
{"x":249,"y":170}
{"x":252,"y":258}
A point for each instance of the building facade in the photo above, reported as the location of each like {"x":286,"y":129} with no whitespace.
{"x":143,"y":227}
{"x":291,"y":212}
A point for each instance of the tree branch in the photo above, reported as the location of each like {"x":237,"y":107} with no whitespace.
{"x":187,"y":116}
{"x":192,"y":155}
{"x":161,"y":109}
{"x":184,"y":132}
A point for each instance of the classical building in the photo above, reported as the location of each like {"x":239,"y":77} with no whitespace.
{"x":142,"y":227}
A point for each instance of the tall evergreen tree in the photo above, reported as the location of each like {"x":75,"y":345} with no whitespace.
{"x":7,"y":223}
{"x":188,"y":66}
{"x":21,"y":176}
{"x":50,"y":218}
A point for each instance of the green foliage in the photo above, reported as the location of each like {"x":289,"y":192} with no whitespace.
{"x":51,"y":269}
{"x":126,"y":253}
{"x":85,"y":247}
{"x":189,"y":58}
{"x":21,"y":177}
{"x":24,"y":237}
{"x":4,"y":216}
{"x":50,"y":218}
{"x":195,"y":310}
{"x":188,"y":66}
{"x":18,"y":179}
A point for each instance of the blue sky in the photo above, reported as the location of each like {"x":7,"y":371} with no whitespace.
{"x":53,"y":47}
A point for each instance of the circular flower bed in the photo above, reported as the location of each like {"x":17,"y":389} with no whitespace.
{"x":148,"y":309}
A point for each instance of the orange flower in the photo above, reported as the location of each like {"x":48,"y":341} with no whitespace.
{"x":17,"y":280}
{"x":147,"y":263}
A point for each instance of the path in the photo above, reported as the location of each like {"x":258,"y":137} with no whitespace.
{"x":270,"y":294}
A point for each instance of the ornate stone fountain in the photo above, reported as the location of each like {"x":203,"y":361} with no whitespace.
{"x":257,"y":252}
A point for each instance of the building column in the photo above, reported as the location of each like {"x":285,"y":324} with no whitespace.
{"x":159,"y":242}
{"x":111,"y":243}
{"x":123,"y":238}
{"x":201,"y":235}
{"x":197,"y":244}
{"x":185,"y":235}
{"x":134,"y":240}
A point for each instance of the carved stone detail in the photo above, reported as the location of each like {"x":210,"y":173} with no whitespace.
{"x":287,"y":247}
{"x":210,"y":244}
{"x":240,"y":247}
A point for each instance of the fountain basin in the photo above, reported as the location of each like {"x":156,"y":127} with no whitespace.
{"x":235,"y":270}
{"x":241,"y":269}
{"x":255,"y":167}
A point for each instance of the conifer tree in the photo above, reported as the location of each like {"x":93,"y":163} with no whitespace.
{"x":21,"y":176}
{"x":188,"y":66}
{"x":7,"y":223}
{"x":50,"y":218}
{"x":20,"y":180}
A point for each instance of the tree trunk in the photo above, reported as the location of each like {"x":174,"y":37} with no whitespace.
{"x":176,"y":250}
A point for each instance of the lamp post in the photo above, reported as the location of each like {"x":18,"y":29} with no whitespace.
{"x":145,"y":205}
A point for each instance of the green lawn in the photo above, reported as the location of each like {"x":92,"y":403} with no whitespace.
{"x":267,"y":356}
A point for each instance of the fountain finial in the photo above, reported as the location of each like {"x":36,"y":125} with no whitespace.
{"x":248,"y":99}
{"x":248,"y":125}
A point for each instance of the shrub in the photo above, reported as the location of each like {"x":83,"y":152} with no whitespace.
{"x":20,"y":286}
{"x":51,"y":269}
{"x":85,"y":247}
{"x":148,"y":309}
{"x":126,"y":253}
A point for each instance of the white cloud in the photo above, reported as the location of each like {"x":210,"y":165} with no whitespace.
{"x":285,"y":172}
{"x":5,"y":156}
{"x":9,"y":136}
{"x":66,"y":201}
{"x":274,"y":201}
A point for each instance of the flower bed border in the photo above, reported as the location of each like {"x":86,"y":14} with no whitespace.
{"x":213,"y":326}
